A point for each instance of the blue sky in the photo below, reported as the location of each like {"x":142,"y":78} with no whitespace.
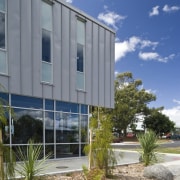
{"x":147,"y":44}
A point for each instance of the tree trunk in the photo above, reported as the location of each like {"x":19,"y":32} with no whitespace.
{"x":1,"y":156}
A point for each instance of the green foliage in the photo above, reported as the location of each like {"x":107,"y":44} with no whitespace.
{"x":148,"y":143}
{"x":6,"y":153}
{"x":102,"y":155}
{"x":8,"y":170}
{"x":130,"y":99}
{"x":31,"y":164}
{"x":159,"y":122}
{"x":93,"y":174}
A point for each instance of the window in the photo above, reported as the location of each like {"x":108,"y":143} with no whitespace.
{"x":3,"y":60}
{"x":46,"y":20}
{"x":80,"y":54}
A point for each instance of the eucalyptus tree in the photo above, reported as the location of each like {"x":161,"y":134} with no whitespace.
{"x":158,"y":122}
{"x":130,"y":99}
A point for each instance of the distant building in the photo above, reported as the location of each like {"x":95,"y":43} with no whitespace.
{"x":55,"y":61}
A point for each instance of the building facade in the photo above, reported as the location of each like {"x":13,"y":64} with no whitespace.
{"x":55,"y":61}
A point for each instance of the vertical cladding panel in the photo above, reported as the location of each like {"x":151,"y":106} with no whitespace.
{"x":88,"y":62}
{"x":65,"y":53}
{"x":36,"y":48}
{"x":57,"y":67}
{"x":47,"y":91}
{"x":13,"y":34}
{"x":73,"y":54}
{"x":112,"y":69}
{"x":107,"y":69}
{"x":26,"y":63}
{"x":4,"y":81}
{"x":95,"y":66}
{"x":101,"y":66}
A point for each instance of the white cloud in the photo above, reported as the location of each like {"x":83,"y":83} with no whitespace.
{"x":147,"y":43}
{"x":110,"y":18}
{"x":173,"y":114}
{"x":69,"y":1}
{"x":176,"y":101}
{"x":147,"y":56}
{"x":155,"y":11}
{"x":116,"y":73}
{"x":168,"y":9}
{"x":150,"y":91}
{"x":127,"y":46}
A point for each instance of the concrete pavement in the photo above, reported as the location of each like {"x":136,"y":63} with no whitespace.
{"x":67,"y":165}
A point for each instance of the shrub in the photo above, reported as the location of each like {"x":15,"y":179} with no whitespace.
{"x":148,"y":143}
{"x":31,"y":164}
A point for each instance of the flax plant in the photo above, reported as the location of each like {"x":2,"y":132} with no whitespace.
{"x":33,"y":162}
{"x":148,"y":143}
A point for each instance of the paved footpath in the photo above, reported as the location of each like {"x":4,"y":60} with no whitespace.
{"x":171,"y":161}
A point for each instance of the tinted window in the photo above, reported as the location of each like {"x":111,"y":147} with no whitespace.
{"x":27,"y":102}
{"x":2,"y":30}
{"x":67,"y":107}
{"x":27,"y":124}
{"x":49,"y":104}
{"x":46,"y":45}
{"x":84,"y":109}
{"x":4,"y":98}
{"x":80,"y":57}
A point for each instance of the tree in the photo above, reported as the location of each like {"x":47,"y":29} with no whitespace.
{"x":158,"y":122}
{"x":6,"y":153}
{"x":130,"y":99}
{"x":100,"y":150}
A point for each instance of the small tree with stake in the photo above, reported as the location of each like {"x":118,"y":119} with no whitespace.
{"x":102,"y":157}
{"x":6,"y":154}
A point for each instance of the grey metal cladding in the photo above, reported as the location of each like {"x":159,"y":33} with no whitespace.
{"x":24,"y":55}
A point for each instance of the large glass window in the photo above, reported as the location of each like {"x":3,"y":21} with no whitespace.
{"x":49,"y":127}
{"x":80,"y":54}
{"x":46,"y":21}
{"x":27,"y":102}
{"x":27,"y":125}
{"x":67,"y":107}
{"x":3,"y":59}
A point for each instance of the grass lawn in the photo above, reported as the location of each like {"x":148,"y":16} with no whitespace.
{"x":174,"y":150}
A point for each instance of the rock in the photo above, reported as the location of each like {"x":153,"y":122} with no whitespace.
{"x":158,"y":172}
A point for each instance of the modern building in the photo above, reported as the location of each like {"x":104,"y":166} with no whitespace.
{"x":55,"y":62}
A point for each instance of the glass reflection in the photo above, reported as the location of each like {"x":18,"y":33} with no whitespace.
{"x":67,"y":107}
{"x":84,"y":128}
{"x":67,"y":150}
{"x":46,"y":16}
{"x":46,"y":45}
{"x":49,"y":127}
{"x":27,"y":102}
{"x":2,"y":30}
{"x":28,"y":124}
{"x":49,"y":104}
{"x":80,"y":57}
{"x":2,"y":5}
{"x":49,"y":149}
{"x":3,"y":62}
{"x":67,"y":127}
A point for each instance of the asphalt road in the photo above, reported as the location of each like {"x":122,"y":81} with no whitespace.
{"x":126,"y":145}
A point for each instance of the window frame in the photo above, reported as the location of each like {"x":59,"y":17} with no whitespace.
{"x":50,"y":62}
{"x":82,"y":73}
{"x":5,"y":41}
